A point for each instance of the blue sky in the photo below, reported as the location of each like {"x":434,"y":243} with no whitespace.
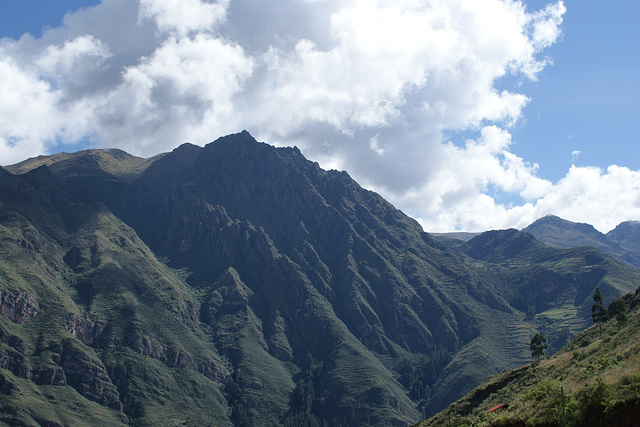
{"x":32,"y":16}
{"x":467,"y":116}
{"x":588,"y":100}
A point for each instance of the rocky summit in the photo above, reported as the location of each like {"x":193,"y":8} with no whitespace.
{"x":241,"y":284}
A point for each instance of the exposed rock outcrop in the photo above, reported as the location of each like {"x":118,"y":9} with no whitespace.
{"x":88,"y":376}
{"x":148,"y":345}
{"x":85,"y":330}
{"x":19,"y":306}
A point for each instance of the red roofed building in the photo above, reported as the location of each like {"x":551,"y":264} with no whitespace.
{"x":502,"y":406}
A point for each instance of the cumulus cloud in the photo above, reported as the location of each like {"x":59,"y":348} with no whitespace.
{"x":71,"y":58}
{"x":183,"y":16}
{"x":33,"y":113}
{"x":589,"y":194}
{"x":585,"y":194}
{"x":367,"y":86}
{"x":184,"y":89}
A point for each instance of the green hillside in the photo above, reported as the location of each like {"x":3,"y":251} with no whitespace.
{"x":593,"y":381}
{"x":241,"y":284}
{"x":552,"y":286}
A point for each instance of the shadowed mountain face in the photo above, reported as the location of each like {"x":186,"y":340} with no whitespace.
{"x":241,"y":284}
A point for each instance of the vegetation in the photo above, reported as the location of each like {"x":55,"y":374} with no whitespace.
{"x":622,"y":312}
{"x":242,"y":284}
{"x":598,"y":312}
{"x":592,"y":381}
{"x":553,"y":287}
{"x":538,"y":345}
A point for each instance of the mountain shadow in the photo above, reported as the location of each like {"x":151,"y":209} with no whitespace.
{"x":241,"y":284}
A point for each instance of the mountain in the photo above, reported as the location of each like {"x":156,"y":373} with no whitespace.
{"x":621,"y":243}
{"x":241,"y":284}
{"x":593,"y":381}
{"x":459,"y":235}
{"x":552,"y":286}
{"x":627,"y":235}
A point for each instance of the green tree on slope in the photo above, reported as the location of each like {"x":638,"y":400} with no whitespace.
{"x":598,"y":312}
{"x":538,"y":345}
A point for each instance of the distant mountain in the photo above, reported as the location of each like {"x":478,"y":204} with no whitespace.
{"x":623,"y":242}
{"x":593,"y":381}
{"x":627,"y":235}
{"x":459,"y":235}
{"x":552,"y":286}
{"x":241,"y":284}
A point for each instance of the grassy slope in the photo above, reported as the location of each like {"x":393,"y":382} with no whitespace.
{"x":147,"y":350}
{"x":111,"y":161}
{"x":596,"y":374}
{"x":298,"y":262}
{"x":552,"y":286}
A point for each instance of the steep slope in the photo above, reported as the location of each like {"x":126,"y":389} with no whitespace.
{"x":552,"y":286}
{"x":94,"y":327}
{"x":620,"y":243}
{"x":264,"y":289}
{"x":348,"y":243}
{"x":593,"y":381}
{"x":627,"y":235}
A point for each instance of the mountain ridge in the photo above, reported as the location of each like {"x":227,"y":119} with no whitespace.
{"x":262,"y":287}
{"x":555,"y":231}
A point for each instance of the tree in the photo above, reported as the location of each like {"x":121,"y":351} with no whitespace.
{"x":598,"y":312}
{"x":622,"y":313}
{"x":538,"y":345}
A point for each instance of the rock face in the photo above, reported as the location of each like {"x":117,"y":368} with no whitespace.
{"x":241,"y":284}
{"x":18,"y":306}
{"x":85,"y":330}
{"x":88,"y":376}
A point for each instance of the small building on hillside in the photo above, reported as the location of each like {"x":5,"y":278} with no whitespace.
{"x":503,"y":407}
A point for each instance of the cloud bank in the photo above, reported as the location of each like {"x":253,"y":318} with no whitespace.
{"x":373,"y":87}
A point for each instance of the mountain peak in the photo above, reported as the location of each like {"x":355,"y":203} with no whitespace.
{"x":555,"y":231}
{"x":241,"y":139}
{"x":627,"y":234}
{"x":112,"y":161}
{"x":623,"y":242}
{"x":625,"y":230}
{"x":500,"y":244}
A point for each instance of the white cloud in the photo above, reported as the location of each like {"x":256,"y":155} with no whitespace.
{"x":585,"y":194}
{"x":445,"y":56}
{"x":183,"y":91}
{"x":601,"y":198}
{"x":33,"y":115}
{"x":574,"y":155}
{"x":25,"y":98}
{"x":183,"y":17}
{"x":374,"y":144}
{"x":368,"y":86}
{"x":75,"y":56}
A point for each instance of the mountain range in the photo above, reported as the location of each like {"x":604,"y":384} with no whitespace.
{"x":241,"y":284}
{"x":623,"y":242}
